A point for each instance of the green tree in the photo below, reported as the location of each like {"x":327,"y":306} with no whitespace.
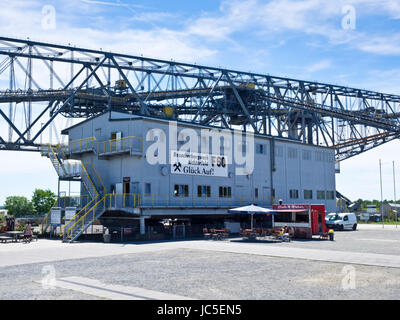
{"x":19,"y":206}
{"x":43,"y":200}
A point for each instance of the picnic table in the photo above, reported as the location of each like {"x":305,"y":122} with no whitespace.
{"x":220,"y":233}
{"x":251,"y":234}
{"x":15,"y":234}
{"x":216,"y":234}
{"x":265,"y":233}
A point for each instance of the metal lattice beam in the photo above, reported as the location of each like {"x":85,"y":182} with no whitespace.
{"x":348,"y":119}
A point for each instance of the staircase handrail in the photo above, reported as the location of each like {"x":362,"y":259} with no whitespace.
{"x":92,"y":209}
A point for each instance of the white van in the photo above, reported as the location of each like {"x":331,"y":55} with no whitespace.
{"x":341,"y":221}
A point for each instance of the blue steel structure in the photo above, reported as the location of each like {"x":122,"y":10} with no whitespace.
{"x":40,"y":82}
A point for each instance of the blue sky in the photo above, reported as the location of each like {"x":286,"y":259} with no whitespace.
{"x":301,"y":39}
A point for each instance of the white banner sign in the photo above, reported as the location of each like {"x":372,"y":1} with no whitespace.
{"x":55,"y":216}
{"x":198,"y":164}
{"x":70,"y":213}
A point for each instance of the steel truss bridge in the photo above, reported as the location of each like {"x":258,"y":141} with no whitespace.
{"x":40,"y":82}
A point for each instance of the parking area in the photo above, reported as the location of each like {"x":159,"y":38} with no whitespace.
{"x":367,"y":239}
{"x":358,"y":265}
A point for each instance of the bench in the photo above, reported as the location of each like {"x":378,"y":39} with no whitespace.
{"x":6,"y":239}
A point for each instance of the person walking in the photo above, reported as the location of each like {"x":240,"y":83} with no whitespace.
{"x":28,"y":233}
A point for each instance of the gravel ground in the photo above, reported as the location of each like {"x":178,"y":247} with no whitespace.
{"x":207,"y":275}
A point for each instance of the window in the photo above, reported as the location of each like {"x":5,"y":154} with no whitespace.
{"x":308,"y":194}
{"x":306,"y":155}
{"x":116,"y":135}
{"x":181,"y":190}
{"x":294,"y":194}
{"x":319,"y":156}
{"x":292,"y":153}
{"x":302,"y":217}
{"x":256,"y":192}
{"x":346,"y":218}
{"x":260,"y":149}
{"x":203,"y":191}
{"x":283,"y":217}
{"x":330,"y":195}
{"x":321,"y":195}
{"x":225,"y":192}
{"x":147,"y":188}
{"x":279,"y":151}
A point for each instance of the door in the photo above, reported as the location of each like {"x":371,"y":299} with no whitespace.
{"x":266,"y":197}
{"x":347,"y":223}
{"x":314,"y":221}
{"x":116,"y":199}
{"x":126,"y":197}
{"x":136,"y":196}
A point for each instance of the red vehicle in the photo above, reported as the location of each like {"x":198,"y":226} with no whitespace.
{"x":307,"y":218}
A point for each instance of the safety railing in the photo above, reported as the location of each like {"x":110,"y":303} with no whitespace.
{"x":78,"y":215}
{"x":73,"y":201}
{"x":120,"y":145}
{"x":65,"y":168}
{"x":88,"y":183}
{"x":56,"y":160}
{"x":122,"y":200}
{"x":72,"y":168}
{"x":84,"y":221}
{"x":82,"y":145}
{"x":115,"y":146}
{"x":134,"y":200}
{"x":96,"y":178}
{"x":193,"y":200}
{"x":46,"y":220}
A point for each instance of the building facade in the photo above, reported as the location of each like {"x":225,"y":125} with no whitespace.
{"x":124,"y":151}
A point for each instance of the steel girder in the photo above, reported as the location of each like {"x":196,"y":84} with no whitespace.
{"x":75,"y":82}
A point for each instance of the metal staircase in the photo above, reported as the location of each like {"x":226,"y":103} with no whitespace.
{"x":90,"y":179}
{"x":86,"y":218}
{"x":93,"y":210}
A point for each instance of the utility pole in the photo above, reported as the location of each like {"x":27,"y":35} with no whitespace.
{"x":380,"y":175}
{"x":394,"y":191}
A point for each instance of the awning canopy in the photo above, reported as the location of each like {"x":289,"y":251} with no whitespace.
{"x":252,"y":209}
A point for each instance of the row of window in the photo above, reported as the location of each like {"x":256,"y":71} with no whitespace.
{"x":182,"y":190}
{"x":292,"y":153}
{"x":308,"y":194}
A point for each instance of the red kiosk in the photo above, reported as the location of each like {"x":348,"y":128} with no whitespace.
{"x":305,"y":219}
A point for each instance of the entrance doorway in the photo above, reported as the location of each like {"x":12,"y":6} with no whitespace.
{"x":126,"y":191}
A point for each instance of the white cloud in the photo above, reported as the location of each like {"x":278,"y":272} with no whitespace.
{"x":321,"y":65}
{"x":155,"y":42}
{"x":201,"y":40}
